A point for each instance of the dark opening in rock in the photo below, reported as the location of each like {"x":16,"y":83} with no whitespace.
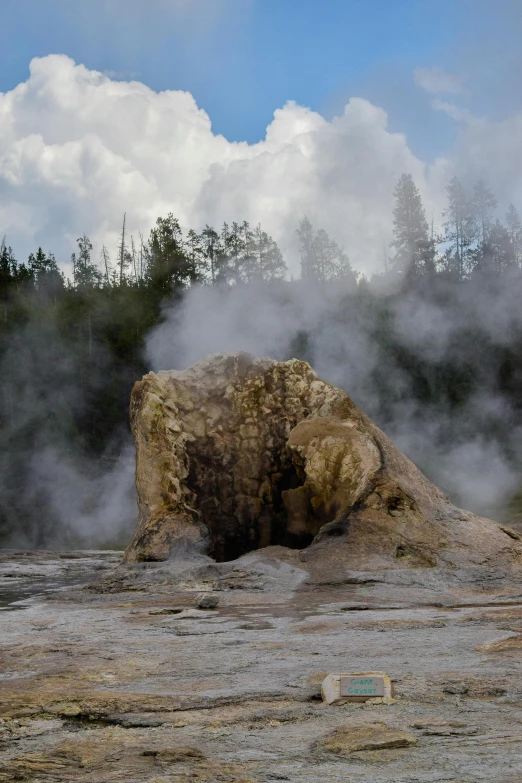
{"x":242,"y":500}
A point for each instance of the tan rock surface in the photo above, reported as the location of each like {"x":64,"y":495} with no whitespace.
{"x":236,"y":454}
{"x":137,"y":685}
{"x":378,"y":736}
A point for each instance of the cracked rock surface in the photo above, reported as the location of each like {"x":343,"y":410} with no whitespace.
{"x":139,"y":685}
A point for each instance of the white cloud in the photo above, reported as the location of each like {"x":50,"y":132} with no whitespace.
{"x":456,"y":113}
{"x":493,"y":151}
{"x":435,"y":80}
{"x":78,"y":149}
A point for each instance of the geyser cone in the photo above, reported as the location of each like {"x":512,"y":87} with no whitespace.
{"x":237,"y":453}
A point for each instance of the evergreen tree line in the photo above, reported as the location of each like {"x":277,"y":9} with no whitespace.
{"x":166,"y":262}
{"x":472,"y":240}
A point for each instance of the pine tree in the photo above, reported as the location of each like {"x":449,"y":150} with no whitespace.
{"x":460,"y":230}
{"x":343,"y":270}
{"x":233,"y":251}
{"x":195,"y":253}
{"x":7,"y":271}
{"x":269,"y":262}
{"x":47,"y":276}
{"x":322,"y":254}
{"x":305,"y":232}
{"x":168,"y":266}
{"x":328,"y":256}
{"x":85,"y":273}
{"x":239,"y":259}
{"x":321,"y":257}
{"x":248,"y":269}
{"x":514,"y":229}
{"x":412,"y":244}
{"x":37,"y":262}
{"x":497,"y":252}
{"x":483,"y":204}
{"x":213,"y":253}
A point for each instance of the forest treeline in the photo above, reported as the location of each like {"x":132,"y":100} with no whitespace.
{"x":473,"y":241}
{"x":71,"y":348}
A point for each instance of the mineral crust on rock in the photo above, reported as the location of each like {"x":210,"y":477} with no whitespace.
{"x":238,"y":453}
{"x":347,"y":740}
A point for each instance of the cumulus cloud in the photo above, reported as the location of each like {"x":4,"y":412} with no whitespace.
{"x":435,"y":80}
{"x":493,"y":151}
{"x":456,"y":113}
{"x":78,"y":149}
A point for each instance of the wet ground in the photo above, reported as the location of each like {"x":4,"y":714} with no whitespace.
{"x":117,"y":675}
{"x":26,"y":574}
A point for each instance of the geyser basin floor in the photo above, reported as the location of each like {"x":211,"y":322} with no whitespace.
{"x":114,"y":686}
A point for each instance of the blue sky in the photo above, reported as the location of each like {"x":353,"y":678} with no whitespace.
{"x":77,"y":151}
{"x":242,"y":59}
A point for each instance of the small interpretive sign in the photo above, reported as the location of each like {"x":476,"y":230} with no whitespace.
{"x":346,"y":687}
{"x":362,"y":685}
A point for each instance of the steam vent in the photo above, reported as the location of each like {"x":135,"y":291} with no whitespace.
{"x":237,"y":454}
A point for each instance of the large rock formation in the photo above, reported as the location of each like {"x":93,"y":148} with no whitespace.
{"x":237,"y":453}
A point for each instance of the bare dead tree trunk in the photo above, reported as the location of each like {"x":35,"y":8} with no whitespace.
{"x":141,"y":255}
{"x":133,"y":251}
{"x":122,"y":249}
{"x":105,"y":258}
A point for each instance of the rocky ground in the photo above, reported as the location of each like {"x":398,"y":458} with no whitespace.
{"x":115,"y":674}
